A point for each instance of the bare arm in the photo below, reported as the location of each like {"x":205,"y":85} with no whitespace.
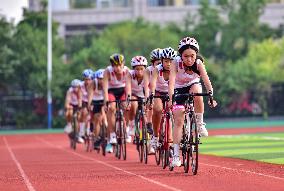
{"x":105,"y":84}
{"x":204,"y":76}
{"x":67,"y":99}
{"x":80,"y":96}
{"x":153,"y":80}
{"x":146,"y":82}
{"x":172,"y":79}
{"x":128,"y":84}
{"x":91,"y":88}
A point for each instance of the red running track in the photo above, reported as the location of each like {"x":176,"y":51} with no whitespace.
{"x":45,"y":162}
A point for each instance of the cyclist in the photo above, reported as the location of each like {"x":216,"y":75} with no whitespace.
{"x":115,"y":87}
{"x":96,"y":97}
{"x":84,"y":114}
{"x":138,"y":64}
{"x":159,"y":86}
{"x":155,"y":60}
{"x":73,"y":101}
{"x":185,"y":76}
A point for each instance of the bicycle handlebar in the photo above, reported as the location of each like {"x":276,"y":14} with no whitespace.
{"x":188,"y":95}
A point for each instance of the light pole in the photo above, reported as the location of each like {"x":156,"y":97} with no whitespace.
{"x":49,"y":65}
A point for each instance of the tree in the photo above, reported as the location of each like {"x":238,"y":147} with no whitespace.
{"x":257,"y":72}
{"x":242,"y":27}
{"x":128,"y":38}
{"x":6,"y":67}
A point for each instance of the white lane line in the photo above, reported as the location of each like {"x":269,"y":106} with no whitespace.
{"x":111,"y":166}
{"x":23,"y":174}
{"x":246,"y":171}
{"x":249,"y":137}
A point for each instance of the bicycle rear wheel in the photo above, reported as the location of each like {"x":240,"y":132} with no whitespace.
{"x":193,"y":150}
{"x":158,"y":155}
{"x":103,"y":139}
{"x":74,"y":133}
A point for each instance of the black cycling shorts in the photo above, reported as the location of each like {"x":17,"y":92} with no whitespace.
{"x":180,"y":100}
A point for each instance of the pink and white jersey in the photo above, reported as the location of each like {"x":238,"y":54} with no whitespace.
{"x":161,"y":84}
{"x":84,"y":92}
{"x":136,"y":89}
{"x":182,"y":78}
{"x":74,"y":97}
{"x":113,"y":81}
{"x":98,"y":94}
{"x":151,"y":69}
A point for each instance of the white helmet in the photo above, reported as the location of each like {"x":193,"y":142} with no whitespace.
{"x":139,"y":61}
{"x":155,"y":54}
{"x":76,"y":83}
{"x":188,"y":42}
{"x":100,"y":73}
{"x":168,"y":53}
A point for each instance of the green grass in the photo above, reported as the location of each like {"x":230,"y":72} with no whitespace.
{"x":265,"y":147}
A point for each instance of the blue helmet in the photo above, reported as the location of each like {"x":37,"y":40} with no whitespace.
{"x":100,"y":73}
{"x":169,"y":53}
{"x":87,"y":73}
{"x":76,"y":83}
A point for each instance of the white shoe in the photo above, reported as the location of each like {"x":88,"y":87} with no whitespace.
{"x":154,"y":142}
{"x":176,"y":162}
{"x":113,"y":139}
{"x":151,"y":150}
{"x":80,"y":140}
{"x":202,"y":130}
{"x":109,"y":148}
{"x":68,"y":129}
{"x":128,"y":139}
{"x":131,"y":128}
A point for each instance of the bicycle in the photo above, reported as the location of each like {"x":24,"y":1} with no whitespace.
{"x":73,"y":134}
{"x":190,"y":137}
{"x":163,"y":151}
{"x":120,"y":147}
{"x":141,"y":135}
{"x":90,"y":141}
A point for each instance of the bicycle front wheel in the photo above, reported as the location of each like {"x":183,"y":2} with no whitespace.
{"x":193,"y":150}
{"x":123,"y":140}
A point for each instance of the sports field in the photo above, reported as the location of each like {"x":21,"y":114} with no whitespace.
{"x":265,"y":147}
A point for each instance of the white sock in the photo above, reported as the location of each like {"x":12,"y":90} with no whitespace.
{"x":112,"y":134}
{"x":131,"y":123}
{"x":69,"y":124}
{"x":176,"y":150}
{"x":82,"y":129}
{"x":199,"y":118}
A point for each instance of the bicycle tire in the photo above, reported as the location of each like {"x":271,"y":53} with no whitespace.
{"x":185,"y":148}
{"x":118,"y":144}
{"x":158,"y":156}
{"x":103,"y":139}
{"x":141,"y":146}
{"x":193,"y":150}
{"x":123,"y":140}
{"x":144,"y":141}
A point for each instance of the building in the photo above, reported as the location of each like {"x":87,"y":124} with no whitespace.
{"x":78,"y":16}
